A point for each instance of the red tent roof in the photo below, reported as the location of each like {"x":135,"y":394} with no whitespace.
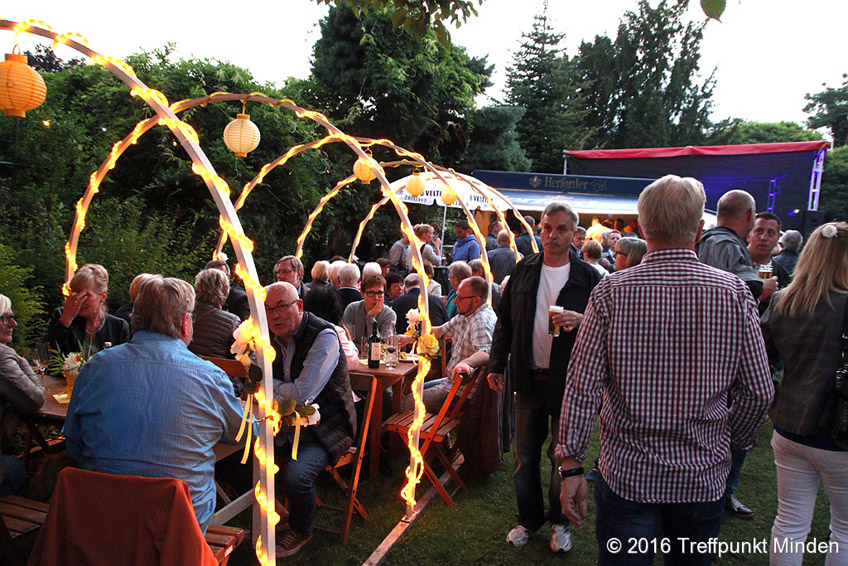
{"x":658,"y":152}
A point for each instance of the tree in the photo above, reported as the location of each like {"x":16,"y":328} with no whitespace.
{"x":379,"y":83}
{"x":644,"y":88}
{"x":45,"y":60}
{"x":418,"y":16}
{"x":733,"y":132}
{"x":494,"y":141}
{"x":834,"y":186}
{"x":829,"y":109}
{"x":543,"y":81}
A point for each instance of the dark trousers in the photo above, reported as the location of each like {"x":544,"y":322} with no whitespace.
{"x":631,"y":533}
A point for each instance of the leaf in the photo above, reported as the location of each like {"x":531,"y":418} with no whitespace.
{"x":306,"y":410}
{"x":714,"y":8}
{"x":398,"y":17}
{"x":254,"y":373}
{"x":286,"y":407}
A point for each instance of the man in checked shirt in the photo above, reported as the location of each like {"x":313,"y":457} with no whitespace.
{"x":662,"y":344}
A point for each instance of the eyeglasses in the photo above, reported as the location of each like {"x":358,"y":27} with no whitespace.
{"x":619,"y":253}
{"x":458,"y":298}
{"x":373,"y":294}
{"x":7,"y":318}
{"x":287,"y":271}
{"x":279,"y":307}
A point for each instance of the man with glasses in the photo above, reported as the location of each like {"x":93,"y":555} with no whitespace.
{"x":290,"y":269}
{"x":360,"y":317}
{"x":309,"y":368}
{"x":471,"y":331}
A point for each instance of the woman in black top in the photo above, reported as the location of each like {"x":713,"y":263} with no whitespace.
{"x":803,"y":326}
{"x":83,"y":325}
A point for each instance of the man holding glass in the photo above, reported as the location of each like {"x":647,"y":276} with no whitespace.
{"x":538,"y":362}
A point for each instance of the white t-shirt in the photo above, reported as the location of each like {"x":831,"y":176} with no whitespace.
{"x":552,"y":281}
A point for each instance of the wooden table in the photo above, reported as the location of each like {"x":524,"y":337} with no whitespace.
{"x":385,"y":377}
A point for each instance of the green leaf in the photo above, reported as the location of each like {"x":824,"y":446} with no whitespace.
{"x":306,"y":410}
{"x":714,"y":8}
{"x":286,"y":406}
{"x":398,"y":17}
{"x":254,"y":373}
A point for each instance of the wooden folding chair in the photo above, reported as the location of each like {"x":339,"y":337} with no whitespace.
{"x":435,"y":430}
{"x":19,"y":518}
{"x":366,"y":385}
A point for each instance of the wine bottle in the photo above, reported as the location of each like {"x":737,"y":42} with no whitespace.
{"x":374,"y":348}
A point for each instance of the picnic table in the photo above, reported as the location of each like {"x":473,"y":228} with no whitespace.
{"x":385,"y":377}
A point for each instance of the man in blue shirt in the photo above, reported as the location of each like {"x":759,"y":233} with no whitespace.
{"x":152,"y":408}
{"x":466,"y":247}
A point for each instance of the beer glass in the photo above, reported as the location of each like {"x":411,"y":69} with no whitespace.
{"x":553,"y":329}
{"x":765,"y":271}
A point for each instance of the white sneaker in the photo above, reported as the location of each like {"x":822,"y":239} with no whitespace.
{"x":518,"y":536}
{"x":560,"y":538}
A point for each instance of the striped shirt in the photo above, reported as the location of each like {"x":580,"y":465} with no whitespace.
{"x":470,"y":334}
{"x":663,"y":343}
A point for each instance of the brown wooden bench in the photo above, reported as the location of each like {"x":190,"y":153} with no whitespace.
{"x":22,"y":516}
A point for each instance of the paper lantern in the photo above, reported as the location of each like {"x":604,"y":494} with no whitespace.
{"x":448,"y":196}
{"x":415,"y":186}
{"x":241,"y":135}
{"x":363,"y":171}
{"x":21,"y":87}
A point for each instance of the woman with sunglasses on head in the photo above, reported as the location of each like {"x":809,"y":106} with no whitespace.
{"x":20,"y":391}
{"x":83,"y":323}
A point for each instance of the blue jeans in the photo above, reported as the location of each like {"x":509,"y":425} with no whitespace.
{"x":737,"y":460}
{"x":643,"y":528}
{"x":532,"y":423}
{"x":14,"y":474}
{"x":297,"y":481}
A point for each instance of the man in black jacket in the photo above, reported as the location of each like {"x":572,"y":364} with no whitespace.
{"x":538,"y":363}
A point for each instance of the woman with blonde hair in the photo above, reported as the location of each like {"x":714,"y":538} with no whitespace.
{"x":320,"y":274}
{"x":629,"y":253}
{"x":83,"y":322}
{"x":803,"y":326}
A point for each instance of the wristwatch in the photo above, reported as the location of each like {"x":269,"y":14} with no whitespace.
{"x":570,"y":473}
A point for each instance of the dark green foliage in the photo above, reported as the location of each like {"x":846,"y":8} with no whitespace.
{"x":418,"y":16}
{"x":834,"y":187}
{"x":18,"y":284}
{"x":733,"y":132}
{"x":644,"y":87}
{"x":829,"y":109}
{"x":544,"y":82}
{"x":379,"y":83}
{"x":494,"y":141}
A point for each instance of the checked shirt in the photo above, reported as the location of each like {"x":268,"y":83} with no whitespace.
{"x":470,"y":334}
{"x":662,"y":344}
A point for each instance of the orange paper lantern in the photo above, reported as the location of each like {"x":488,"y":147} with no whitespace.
{"x":21,"y":87}
{"x":448,"y":196}
{"x":363,"y":171}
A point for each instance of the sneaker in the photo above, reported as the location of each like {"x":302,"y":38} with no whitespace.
{"x":732,"y":504}
{"x":518,"y":536}
{"x":560,"y":538}
{"x":290,"y":543}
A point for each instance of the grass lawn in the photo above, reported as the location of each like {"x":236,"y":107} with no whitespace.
{"x":474,"y":531}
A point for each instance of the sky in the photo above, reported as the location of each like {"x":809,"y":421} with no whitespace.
{"x":767,"y":53}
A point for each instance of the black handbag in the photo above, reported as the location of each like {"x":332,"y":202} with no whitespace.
{"x":839,"y":428}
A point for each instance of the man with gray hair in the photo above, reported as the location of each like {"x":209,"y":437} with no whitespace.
{"x":788,"y":258}
{"x":348,"y":280}
{"x":289,"y":268}
{"x":540,"y":311}
{"x":666,"y":427}
{"x":150,"y":407}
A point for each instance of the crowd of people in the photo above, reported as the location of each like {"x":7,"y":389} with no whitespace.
{"x":674,"y":344}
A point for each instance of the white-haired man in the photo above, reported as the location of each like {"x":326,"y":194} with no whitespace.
{"x":692,"y":336}
{"x":150,"y":407}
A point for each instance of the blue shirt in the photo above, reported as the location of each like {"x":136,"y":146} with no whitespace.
{"x":152,"y":408}
{"x":466,"y":249}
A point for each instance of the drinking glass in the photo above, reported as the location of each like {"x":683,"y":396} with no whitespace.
{"x":553,"y":329}
{"x":765,"y":271}
{"x":391,"y":351}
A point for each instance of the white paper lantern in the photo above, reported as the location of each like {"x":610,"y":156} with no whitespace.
{"x":241,"y":135}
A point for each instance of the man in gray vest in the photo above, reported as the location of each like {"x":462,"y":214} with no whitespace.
{"x":309,"y":368}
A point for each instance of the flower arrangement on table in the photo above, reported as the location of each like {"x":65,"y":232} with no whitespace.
{"x":426,"y":345}
{"x":69,"y":366}
{"x":284,"y":411}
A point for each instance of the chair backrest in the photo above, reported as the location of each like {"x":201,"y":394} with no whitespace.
{"x":107,"y":519}
{"x":447,"y":412}
{"x":233,"y":368}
